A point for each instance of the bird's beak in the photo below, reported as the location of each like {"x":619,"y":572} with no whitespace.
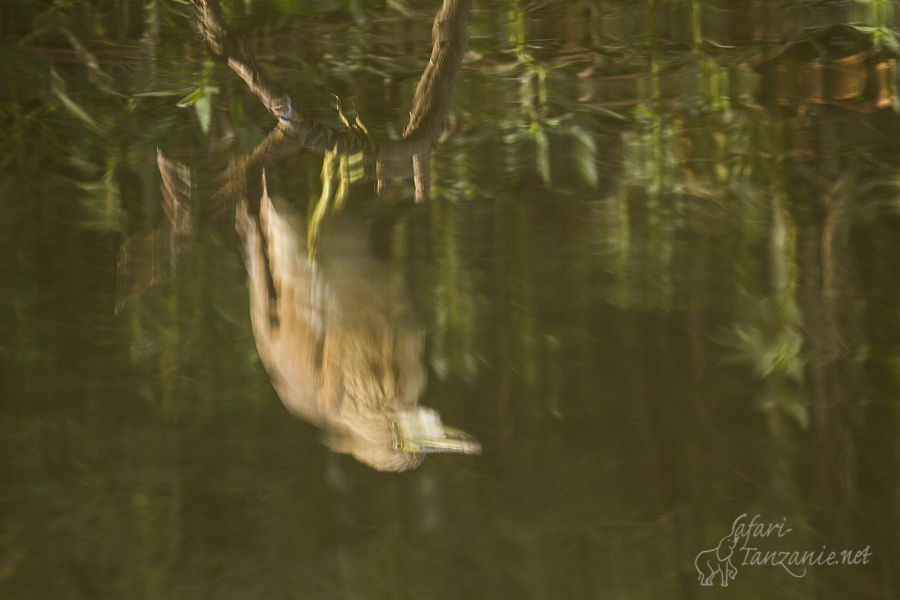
{"x":421,"y":430}
{"x":453,"y":440}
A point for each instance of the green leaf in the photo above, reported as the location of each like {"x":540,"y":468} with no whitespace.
{"x":204,"y":112}
{"x":543,"y":154}
{"x":586,"y":155}
{"x":160,"y":93}
{"x":191,"y":98}
{"x":201,"y":100}
{"x":58,"y":86}
{"x":95,"y":73}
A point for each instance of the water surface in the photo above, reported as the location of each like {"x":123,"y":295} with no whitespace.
{"x":657,"y":275}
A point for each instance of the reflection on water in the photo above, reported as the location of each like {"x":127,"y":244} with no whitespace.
{"x":339,"y":338}
{"x":656,"y":274}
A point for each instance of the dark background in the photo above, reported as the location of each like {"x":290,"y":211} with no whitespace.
{"x":658,"y":275}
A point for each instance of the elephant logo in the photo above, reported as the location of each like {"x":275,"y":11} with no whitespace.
{"x":718,"y":560}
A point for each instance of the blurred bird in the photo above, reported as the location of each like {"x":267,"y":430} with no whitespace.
{"x":339,"y":339}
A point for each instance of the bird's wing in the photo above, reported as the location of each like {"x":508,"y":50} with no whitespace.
{"x":373,"y":332}
{"x":287,"y":311}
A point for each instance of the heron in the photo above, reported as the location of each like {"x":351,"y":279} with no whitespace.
{"x":338,"y":336}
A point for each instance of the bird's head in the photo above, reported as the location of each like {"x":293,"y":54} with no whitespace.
{"x":420,"y":430}
{"x":400,"y":441}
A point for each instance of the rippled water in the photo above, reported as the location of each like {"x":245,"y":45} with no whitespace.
{"x":656,"y":276}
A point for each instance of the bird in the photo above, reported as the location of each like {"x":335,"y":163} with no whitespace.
{"x":339,"y":338}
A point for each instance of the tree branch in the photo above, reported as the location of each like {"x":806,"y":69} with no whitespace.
{"x":431,"y":104}
{"x":434,"y":94}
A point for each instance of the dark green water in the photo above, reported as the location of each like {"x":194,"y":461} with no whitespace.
{"x":658,"y":275}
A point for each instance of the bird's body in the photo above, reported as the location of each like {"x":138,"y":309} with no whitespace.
{"x":337,"y":334}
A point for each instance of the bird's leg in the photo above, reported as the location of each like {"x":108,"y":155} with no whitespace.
{"x":352,"y":167}
{"x":321,"y":208}
{"x":339,"y":171}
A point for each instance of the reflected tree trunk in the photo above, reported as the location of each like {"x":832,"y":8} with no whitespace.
{"x":834,"y":316}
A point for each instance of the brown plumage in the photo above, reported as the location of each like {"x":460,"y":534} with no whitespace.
{"x":339,"y":338}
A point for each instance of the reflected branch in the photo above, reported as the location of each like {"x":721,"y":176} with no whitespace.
{"x":434,"y":94}
{"x":431,"y":104}
{"x":229,"y":46}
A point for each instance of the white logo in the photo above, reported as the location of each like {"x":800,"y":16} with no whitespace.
{"x":742,"y":546}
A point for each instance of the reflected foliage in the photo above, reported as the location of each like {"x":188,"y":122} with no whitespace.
{"x":657,"y":272}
